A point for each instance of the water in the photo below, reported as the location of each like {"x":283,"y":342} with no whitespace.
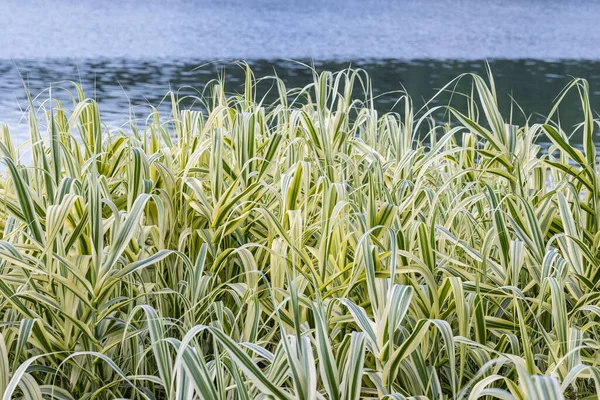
{"x":129,"y":53}
{"x":125,"y":88}
{"x":320,"y":29}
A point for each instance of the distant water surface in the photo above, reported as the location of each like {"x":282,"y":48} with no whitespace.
{"x":128,"y":53}
{"x":299,"y":29}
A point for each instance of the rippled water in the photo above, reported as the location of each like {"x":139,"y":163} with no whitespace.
{"x":126,"y":88}
{"x":129,"y":53}
{"x":320,"y":29}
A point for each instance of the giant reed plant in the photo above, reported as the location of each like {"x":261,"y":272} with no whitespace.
{"x":306,"y":248}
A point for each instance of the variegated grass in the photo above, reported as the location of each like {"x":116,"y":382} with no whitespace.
{"x":310,"y":248}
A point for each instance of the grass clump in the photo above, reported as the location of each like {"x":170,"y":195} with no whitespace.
{"x":307,"y":248}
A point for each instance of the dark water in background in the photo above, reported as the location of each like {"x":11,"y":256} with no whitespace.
{"x":126,"y":88}
{"x":131,"y":52}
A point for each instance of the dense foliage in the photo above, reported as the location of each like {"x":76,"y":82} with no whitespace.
{"x":302,"y":248}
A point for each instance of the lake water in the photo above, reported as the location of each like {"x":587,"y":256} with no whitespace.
{"x":131,"y":52}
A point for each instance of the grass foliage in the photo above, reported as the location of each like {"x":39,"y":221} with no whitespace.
{"x":305,"y":248}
